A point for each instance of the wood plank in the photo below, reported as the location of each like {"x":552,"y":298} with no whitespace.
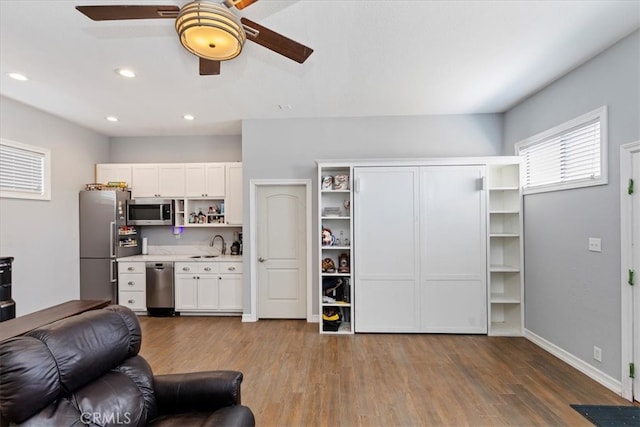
{"x":297,"y":377}
{"x":23,"y":324}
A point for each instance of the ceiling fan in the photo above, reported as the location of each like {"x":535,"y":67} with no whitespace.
{"x":207,"y":29}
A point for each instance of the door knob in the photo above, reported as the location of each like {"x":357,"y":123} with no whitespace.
{"x":261,"y":259}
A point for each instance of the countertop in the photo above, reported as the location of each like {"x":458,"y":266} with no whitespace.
{"x":179,"y":257}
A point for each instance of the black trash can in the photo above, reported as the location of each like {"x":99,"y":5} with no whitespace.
{"x":7,"y":305}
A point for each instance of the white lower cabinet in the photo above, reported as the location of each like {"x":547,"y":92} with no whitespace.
{"x":132,"y":285}
{"x":214,"y":287}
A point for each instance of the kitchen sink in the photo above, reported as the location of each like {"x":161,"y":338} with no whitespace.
{"x":203,"y":256}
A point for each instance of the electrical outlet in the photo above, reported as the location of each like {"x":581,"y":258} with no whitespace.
{"x":597,"y":353}
{"x":595,"y":244}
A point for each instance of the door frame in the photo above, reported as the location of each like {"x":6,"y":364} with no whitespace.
{"x":253,"y":240}
{"x":626,"y":221}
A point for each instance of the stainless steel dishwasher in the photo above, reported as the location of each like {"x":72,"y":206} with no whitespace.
{"x":160,"y":288}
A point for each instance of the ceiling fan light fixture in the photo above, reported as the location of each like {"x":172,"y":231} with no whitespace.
{"x":210,"y":31}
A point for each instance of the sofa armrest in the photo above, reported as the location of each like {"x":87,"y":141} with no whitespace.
{"x":197,"y":391}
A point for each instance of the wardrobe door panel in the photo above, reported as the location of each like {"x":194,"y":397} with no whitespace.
{"x":386,"y":249}
{"x":453,"y":243}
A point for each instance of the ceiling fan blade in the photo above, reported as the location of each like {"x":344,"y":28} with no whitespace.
{"x":209,"y":67}
{"x":276,"y":42}
{"x":112,"y":13}
{"x":239,"y":4}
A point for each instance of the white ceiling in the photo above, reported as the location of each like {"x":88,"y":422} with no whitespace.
{"x":371,"y":58}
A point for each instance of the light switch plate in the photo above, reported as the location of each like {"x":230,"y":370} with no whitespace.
{"x":595,"y":244}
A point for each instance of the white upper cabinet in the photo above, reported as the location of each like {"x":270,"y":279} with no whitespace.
{"x":158,"y":180}
{"x":113,"y":172}
{"x":204,"y":180}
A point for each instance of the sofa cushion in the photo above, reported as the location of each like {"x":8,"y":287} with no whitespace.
{"x":88,"y":345}
{"x":29,"y":377}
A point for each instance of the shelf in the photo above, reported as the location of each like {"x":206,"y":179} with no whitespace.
{"x":336,"y":304}
{"x":503,"y":299}
{"x":335,"y":191}
{"x":507,"y":188}
{"x":505,"y":211}
{"x":503,"y":269}
{"x":505,"y":329}
{"x":336,"y":274}
{"x":504,"y":235}
{"x":342,"y":248}
{"x":335,"y":217}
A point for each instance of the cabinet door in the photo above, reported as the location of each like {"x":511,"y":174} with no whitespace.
{"x":233,"y":194}
{"x":186,"y":289}
{"x":208,"y":298}
{"x":113,"y":173}
{"x":171,"y":180}
{"x":231,"y":291}
{"x":144,"y":181}
{"x":453,"y":249}
{"x":215,"y":180}
{"x":387,"y":263}
{"x":194,"y":177}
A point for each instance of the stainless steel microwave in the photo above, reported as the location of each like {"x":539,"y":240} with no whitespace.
{"x":150,"y":212}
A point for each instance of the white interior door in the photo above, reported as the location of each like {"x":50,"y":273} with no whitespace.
{"x":635,"y":220}
{"x":453,"y":249}
{"x":281,"y":251}
{"x":386,"y":251}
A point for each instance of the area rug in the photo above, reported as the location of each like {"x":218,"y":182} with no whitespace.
{"x":610,"y":416}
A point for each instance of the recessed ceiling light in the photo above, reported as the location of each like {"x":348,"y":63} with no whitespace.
{"x":285,"y":106}
{"x":112,"y":118}
{"x":18,"y":76}
{"x":126,"y":72}
{"x":188,"y":117}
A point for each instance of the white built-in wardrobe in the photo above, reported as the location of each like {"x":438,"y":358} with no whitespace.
{"x":420,"y":241}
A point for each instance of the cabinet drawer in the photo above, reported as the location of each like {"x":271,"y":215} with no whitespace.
{"x":196,"y":267}
{"x":135,"y":300}
{"x":131,"y":282}
{"x":230,"y":267}
{"x":131,"y":267}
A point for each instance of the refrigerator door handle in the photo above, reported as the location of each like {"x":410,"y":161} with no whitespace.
{"x":112,"y":233}
{"x":112,"y":272}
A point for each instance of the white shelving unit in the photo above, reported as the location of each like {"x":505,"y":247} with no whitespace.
{"x":334,"y":205}
{"x":506,"y":290}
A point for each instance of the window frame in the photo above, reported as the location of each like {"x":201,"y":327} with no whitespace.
{"x":46,"y":173}
{"x":599,"y":114}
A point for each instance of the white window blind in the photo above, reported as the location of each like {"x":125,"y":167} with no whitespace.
{"x":568,"y":156}
{"x":24,"y":171}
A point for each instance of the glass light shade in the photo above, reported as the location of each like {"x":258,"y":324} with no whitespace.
{"x":210,"y":31}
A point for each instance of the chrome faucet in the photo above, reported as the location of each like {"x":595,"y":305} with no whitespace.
{"x":224,"y":245}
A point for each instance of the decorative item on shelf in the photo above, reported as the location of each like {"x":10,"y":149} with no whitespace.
{"x":347,"y":206}
{"x":331,"y":211}
{"x":343,"y":263}
{"x":328,"y":239}
{"x":331,"y":319}
{"x":327,"y":182}
{"x":341,"y":182}
{"x":331,"y":284}
{"x":328,"y":266}
{"x":192,"y":218}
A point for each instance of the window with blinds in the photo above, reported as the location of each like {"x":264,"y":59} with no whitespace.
{"x":571,"y":155}
{"x":24,"y":171}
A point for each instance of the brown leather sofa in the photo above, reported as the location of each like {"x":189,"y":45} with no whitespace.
{"x":85,"y":370}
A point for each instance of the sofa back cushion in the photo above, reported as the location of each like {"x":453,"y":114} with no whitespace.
{"x":59,"y":358}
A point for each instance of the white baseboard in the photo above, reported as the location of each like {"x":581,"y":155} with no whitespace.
{"x":314,"y":318}
{"x":579,"y":364}
{"x":249,"y":318}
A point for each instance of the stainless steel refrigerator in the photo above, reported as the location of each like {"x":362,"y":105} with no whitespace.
{"x":104,"y":236}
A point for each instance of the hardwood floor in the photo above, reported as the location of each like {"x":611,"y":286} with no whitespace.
{"x":293,"y":376}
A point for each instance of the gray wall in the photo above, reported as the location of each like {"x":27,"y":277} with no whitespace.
{"x":288,"y":149}
{"x":43,"y":235}
{"x":573,"y":295}
{"x":175,"y":149}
